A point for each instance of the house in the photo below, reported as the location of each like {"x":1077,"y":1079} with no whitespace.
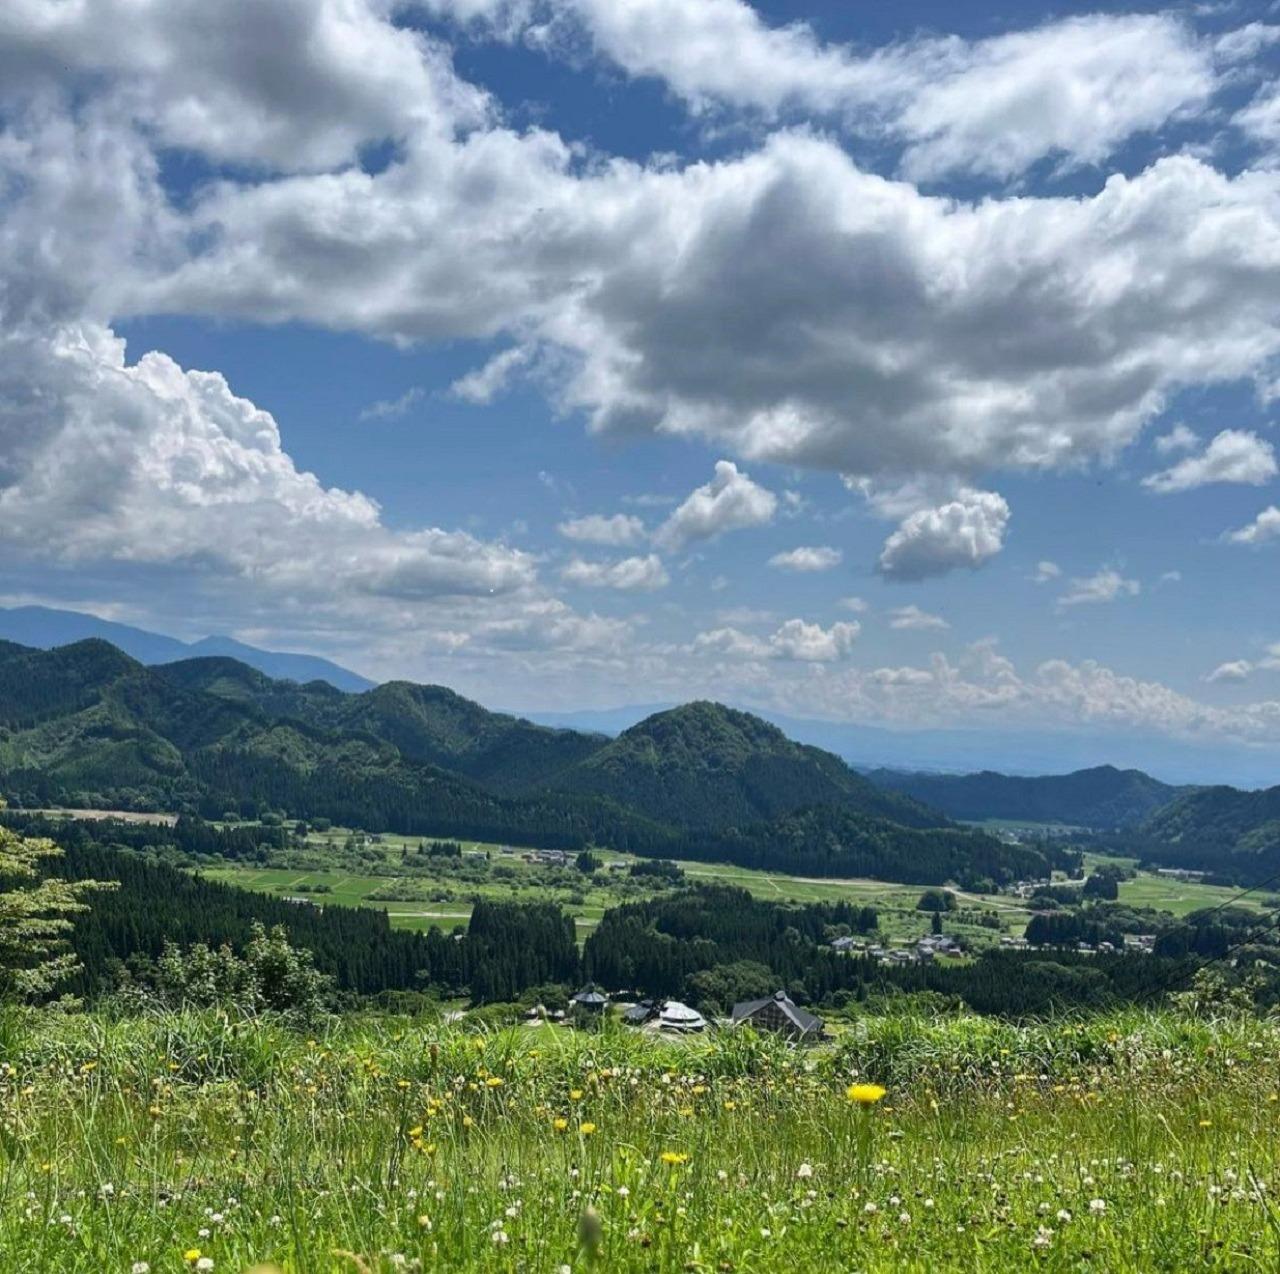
{"x":640,"y":1013}
{"x":589,"y":1001}
{"x":847,"y":944}
{"x":780,"y":1013}
{"x":680,"y":1017}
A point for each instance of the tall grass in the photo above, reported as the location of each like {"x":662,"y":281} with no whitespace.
{"x":1142,"y":1141}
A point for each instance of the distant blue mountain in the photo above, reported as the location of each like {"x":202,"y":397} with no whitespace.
{"x":45,"y":627}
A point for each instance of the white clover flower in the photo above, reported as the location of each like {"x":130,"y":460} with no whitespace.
{"x":1064,"y":1215}
{"x":1097,"y":1206}
{"x":140,"y":1267}
{"x":804,"y":1171}
{"x":501,"y":1236}
{"x":205,"y":1263}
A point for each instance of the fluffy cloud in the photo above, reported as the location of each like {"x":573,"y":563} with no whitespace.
{"x":147,"y":463}
{"x":1265,"y":527}
{"x":484,"y":384}
{"x":596,"y":528}
{"x":1234,"y":455}
{"x":284,"y":83}
{"x":1105,"y":586}
{"x":1046,"y":571}
{"x":631,"y":574}
{"x":912,"y":618}
{"x":808,"y":558}
{"x":794,"y":640}
{"x":729,"y":502}
{"x":964,"y":532}
{"x":1076,"y":88}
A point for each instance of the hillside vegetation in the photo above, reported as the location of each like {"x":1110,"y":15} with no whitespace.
{"x":707,"y":766}
{"x":1102,"y":797}
{"x":86,"y":725}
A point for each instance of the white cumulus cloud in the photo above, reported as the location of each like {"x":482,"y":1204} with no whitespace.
{"x":731,"y":501}
{"x":1234,"y":455}
{"x":631,"y":574}
{"x":964,"y":532}
{"x":807,"y":559}
{"x":597,"y":528}
{"x":912,"y":618}
{"x":1106,"y":585}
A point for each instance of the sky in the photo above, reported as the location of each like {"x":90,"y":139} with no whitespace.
{"x":912,"y":366}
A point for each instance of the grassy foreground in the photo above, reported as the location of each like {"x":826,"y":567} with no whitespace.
{"x":184,"y":1141}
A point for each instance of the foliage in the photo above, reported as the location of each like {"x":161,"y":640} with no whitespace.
{"x":35,"y":918}
{"x":270,"y":975}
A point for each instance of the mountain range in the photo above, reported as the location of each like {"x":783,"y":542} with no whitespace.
{"x":86,"y":724}
{"x":45,"y":627}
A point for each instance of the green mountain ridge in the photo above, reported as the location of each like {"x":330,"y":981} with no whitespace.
{"x":1102,"y":796}
{"x":708,"y":766}
{"x":85,"y":724}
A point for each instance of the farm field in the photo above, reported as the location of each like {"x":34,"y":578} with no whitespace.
{"x":586,"y":900}
{"x":371,"y":1145}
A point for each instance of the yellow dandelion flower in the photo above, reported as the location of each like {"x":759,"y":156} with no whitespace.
{"x":415,"y":1132}
{"x":864,"y":1094}
{"x":1206,"y":1123}
{"x":674,"y":1157}
{"x":586,"y":1129}
{"x":575,"y":1094}
{"x":191,"y":1255}
{"x":559,"y":1124}
{"x":493,"y":1082}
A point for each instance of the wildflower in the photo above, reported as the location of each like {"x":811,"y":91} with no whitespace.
{"x":559,"y":1124}
{"x":804,"y":1171}
{"x":140,"y":1267}
{"x":205,"y":1263}
{"x":493,"y":1082}
{"x":864,"y":1094}
{"x":674,"y":1157}
{"x":1044,"y":1236}
{"x":191,"y":1255}
{"x":587,"y":1129}
{"x":1097,"y":1206}
{"x":501,"y":1236}
{"x":1064,"y":1215}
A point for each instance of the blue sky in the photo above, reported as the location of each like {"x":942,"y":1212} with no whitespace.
{"x":908,"y":366}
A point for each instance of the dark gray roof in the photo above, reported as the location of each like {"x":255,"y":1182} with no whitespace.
{"x":804,"y":1021}
{"x":589,"y":995}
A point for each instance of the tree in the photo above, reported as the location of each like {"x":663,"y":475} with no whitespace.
{"x":588,"y":862}
{"x":935,"y":925}
{"x":35,"y":918}
{"x":936,"y":900}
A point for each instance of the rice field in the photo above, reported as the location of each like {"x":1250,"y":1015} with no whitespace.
{"x":179,"y":1141}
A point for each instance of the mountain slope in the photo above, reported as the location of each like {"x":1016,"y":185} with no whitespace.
{"x":708,"y":766}
{"x":1103,"y":797}
{"x":1219,"y":829}
{"x":424,"y":723}
{"x":45,"y":627}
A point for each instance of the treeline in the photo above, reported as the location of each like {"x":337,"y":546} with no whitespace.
{"x":829,"y":841}
{"x":670,"y":945}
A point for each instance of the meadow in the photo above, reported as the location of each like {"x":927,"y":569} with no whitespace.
{"x":181,"y":1141}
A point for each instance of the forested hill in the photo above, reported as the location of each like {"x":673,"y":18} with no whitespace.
{"x":708,"y":766}
{"x":86,"y":725}
{"x":1220,"y":829}
{"x":424,"y":723}
{"x":1102,"y":797}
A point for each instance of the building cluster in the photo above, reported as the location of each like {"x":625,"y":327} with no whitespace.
{"x":927,"y":948}
{"x":778,"y":1014}
{"x":549,"y":857}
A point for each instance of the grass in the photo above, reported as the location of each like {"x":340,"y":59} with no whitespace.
{"x":1136,"y":1141}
